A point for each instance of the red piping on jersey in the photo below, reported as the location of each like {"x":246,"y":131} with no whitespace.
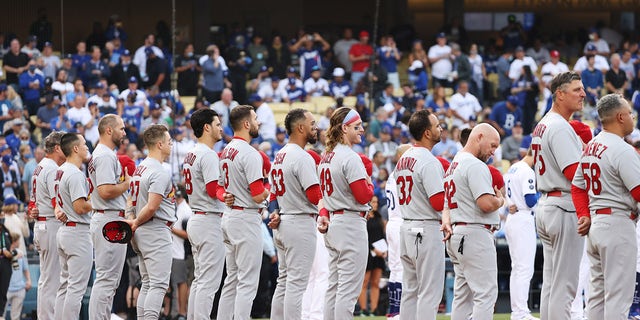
{"x":241,"y":138}
{"x":256,"y":187}
{"x":313,"y":194}
{"x":437,"y":201}
{"x":580,"y":199}
{"x":569,"y":171}
{"x":212,"y":189}
{"x":362,"y":191}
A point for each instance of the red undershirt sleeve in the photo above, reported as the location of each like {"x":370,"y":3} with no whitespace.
{"x":362,"y":191}
{"x":569,"y":171}
{"x":313,"y":194}
{"x":256,"y":187}
{"x":212,"y":189}
{"x":635,"y":193}
{"x":220,"y":193}
{"x":580,"y":199}
{"x":437,"y":201}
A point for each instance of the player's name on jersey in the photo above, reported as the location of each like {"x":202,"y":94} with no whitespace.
{"x":190,"y":158}
{"x":326,"y":158}
{"x":539,"y":130}
{"x":452,"y":167}
{"x":229,"y":153}
{"x":594,"y":149}
{"x":279,"y":158}
{"x":406,"y":164}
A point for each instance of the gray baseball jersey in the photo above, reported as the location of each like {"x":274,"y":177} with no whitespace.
{"x":71,"y":185}
{"x":609,"y":170}
{"x":291,"y":175}
{"x":467,"y":179}
{"x":240,"y":165}
{"x":104,"y":168}
{"x":555,"y":146}
{"x":418,"y":176}
{"x":43,"y":186}
{"x":335,"y":187}
{"x":201,"y":166}
{"x":151,"y":177}
{"x":520,"y":181}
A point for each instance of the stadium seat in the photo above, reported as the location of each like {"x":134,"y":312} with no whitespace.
{"x":322,"y":103}
{"x":281,"y":107}
{"x":349,"y":101}
{"x":188,"y":102}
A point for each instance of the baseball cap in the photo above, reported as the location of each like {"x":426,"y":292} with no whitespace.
{"x":17,"y":122}
{"x":368,"y":164}
{"x":117,"y":231}
{"x":360,"y":101}
{"x":396,"y":100}
{"x":48,"y":44}
{"x":275,"y":78}
{"x":593,"y":30}
{"x":364,"y":34}
{"x":3,"y":148}
{"x":386,"y":128}
{"x":591,"y":47}
{"x":255,"y":98}
{"x":126,"y":53}
{"x":32,"y":38}
{"x":416,"y":64}
{"x":554,"y":54}
{"x":148,"y":50}
{"x":315,"y":68}
{"x":518,"y":124}
{"x":99,"y":85}
{"x":266,"y":163}
{"x":512,"y":99}
{"x":582,"y":130}
{"x":92,"y":103}
{"x":441,"y":35}
{"x":444,"y":162}
{"x":519,"y":48}
{"x":133,"y":80}
{"x":496,"y":177}
{"x":68,"y":56}
{"x":10,"y":200}
{"x":291,"y":70}
{"x":3,"y":87}
{"x":7,"y":159}
{"x":338,"y":72}
{"x":280,"y":130}
{"x":153,"y":106}
{"x":48,"y":81}
{"x":264,"y":69}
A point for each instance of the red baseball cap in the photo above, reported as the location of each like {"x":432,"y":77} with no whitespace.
{"x":496,"y":177}
{"x":266,"y":163}
{"x":368,"y":165}
{"x":364,"y":34}
{"x":128,"y":163}
{"x":444,"y":162}
{"x":582,"y":130}
{"x":554,"y":54}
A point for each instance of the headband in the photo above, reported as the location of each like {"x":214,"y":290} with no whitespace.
{"x":351,"y":117}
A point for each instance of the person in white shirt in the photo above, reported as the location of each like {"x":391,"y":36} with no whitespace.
{"x":601,"y":62}
{"x":316,"y":86}
{"x":224,"y":105}
{"x":141,"y":97}
{"x":464,"y":106}
{"x":271,"y":93}
{"x":341,"y":48}
{"x":538,"y":52}
{"x":181,"y":146}
{"x":291,"y":73}
{"x":62,"y":85}
{"x":602,"y":47}
{"x":265,"y":117}
{"x":51,"y":62}
{"x":515,"y":70}
{"x":553,"y":67}
{"x":440,"y":58}
{"x":140,"y":57}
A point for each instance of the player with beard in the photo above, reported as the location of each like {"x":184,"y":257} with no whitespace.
{"x":241,"y":175}
{"x":108,"y":185}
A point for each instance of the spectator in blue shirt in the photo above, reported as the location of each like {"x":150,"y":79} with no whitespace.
{"x":31,"y":83}
{"x":389,"y":56}
{"x":593,"y":80}
{"x":79,"y":59}
{"x":132,"y":117}
{"x":5,"y":106}
{"x":420,"y":75}
{"x":447,"y":147}
{"x":339,"y":87}
{"x":47,"y":113}
{"x":294,"y":92}
{"x":61,"y":122}
{"x":309,"y":49}
{"x":505,"y":114}
{"x":20,"y":279}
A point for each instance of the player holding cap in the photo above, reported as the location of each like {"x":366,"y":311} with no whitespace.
{"x":392,"y":232}
{"x":556,"y":153}
{"x":605,"y":192}
{"x":418,"y":176}
{"x":520,"y":231}
{"x":153,"y":198}
{"x":346,"y":190}
{"x":473,"y":202}
{"x":201,"y":171}
{"x":74,"y":238}
{"x":108,"y":200}
{"x":297,"y":191}
{"x":241,"y":175}
{"x":46,"y":226}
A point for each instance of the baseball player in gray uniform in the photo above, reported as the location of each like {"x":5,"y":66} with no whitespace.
{"x":418,"y":176}
{"x":297,"y":191}
{"x":241,"y":175}
{"x":346,"y":190}
{"x":556,"y":153}
{"x":201,"y":171}
{"x":46,"y":226}
{"x":74,"y":238}
{"x":153,"y":197}
{"x":108,"y":199}
{"x":392,"y":232}
{"x":472,"y":205}
{"x":520,"y":231}
{"x":605,"y":192}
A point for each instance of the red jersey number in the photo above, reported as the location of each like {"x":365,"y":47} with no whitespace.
{"x":277,"y":177}
{"x":134,"y":187}
{"x":188,"y":186}
{"x":225,"y":171}
{"x":537,"y":158}
{"x":325,"y":182}
{"x":449,"y":192}
{"x":591,"y":173}
{"x":405,"y":186}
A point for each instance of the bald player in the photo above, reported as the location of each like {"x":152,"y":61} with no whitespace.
{"x":155,"y":207}
{"x":392,"y":232}
{"x":556,"y":153}
{"x":346,"y":190}
{"x":605,"y":192}
{"x":520,"y":231}
{"x":297,"y":191}
{"x":108,"y":199}
{"x":241,"y":175}
{"x":201,"y":171}
{"x":75,"y":247}
{"x":472,"y":204}
{"x":418,"y":176}
{"x":46,"y":226}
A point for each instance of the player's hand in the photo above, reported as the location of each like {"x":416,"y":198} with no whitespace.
{"x":447,"y":231}
{"x":133,"y":223}
{"x":32,"y":210}
{"x":499,"y":195}
{"x":584,"y":223}
{"x":126,"y":177}
{"x":274,"y":221}
{"x":323,"y":224}
{"x":513,"y":209}
{"x":229,"y":199}
{"x":274,"y":259}
{"x":27,"y":285}
{"x":60,"y":215}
